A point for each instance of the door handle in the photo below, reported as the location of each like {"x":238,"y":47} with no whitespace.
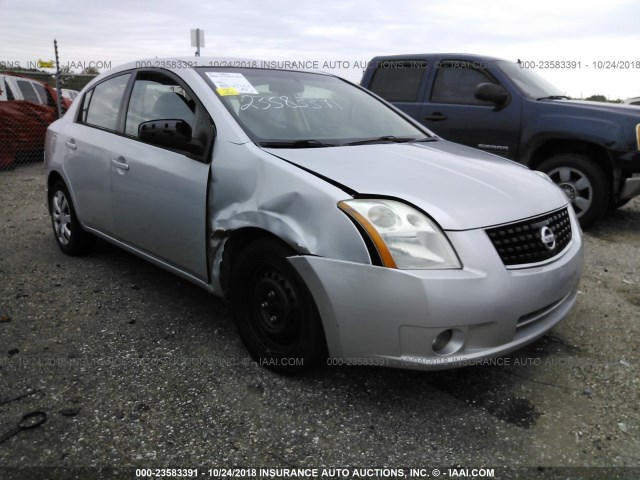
{"x":120,"y":163}
{"x":435,"y":117}
{"x":71,"y":144}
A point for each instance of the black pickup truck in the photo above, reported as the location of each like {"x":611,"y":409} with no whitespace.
{"x":590,"y":149}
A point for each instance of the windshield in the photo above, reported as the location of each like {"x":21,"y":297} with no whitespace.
{"x":529,"y":82}
{"x":298,"y":109}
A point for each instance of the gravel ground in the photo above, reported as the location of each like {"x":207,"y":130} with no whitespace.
{"x":137,"y":368}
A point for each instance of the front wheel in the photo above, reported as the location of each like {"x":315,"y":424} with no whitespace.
{"x":276,"y":316}
{"x":583,"y":182}
{"x":69,"y":235}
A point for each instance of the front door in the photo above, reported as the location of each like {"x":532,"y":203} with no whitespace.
{"x":453,"y":112}
{"x":159,"y":195}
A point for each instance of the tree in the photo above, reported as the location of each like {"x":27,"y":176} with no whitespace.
{"x":91,"y":71}
{"x":597,"y":98}
{"x":65,"y":76}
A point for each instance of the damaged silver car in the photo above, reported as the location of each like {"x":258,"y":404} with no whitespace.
{"x":340,"y":230}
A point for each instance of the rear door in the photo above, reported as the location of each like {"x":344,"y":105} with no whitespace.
{"x":87,"y":146}
{"x":452,"y":111}
{"x":159,"y":195}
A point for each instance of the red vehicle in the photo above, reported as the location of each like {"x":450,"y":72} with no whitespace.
{"x":27,"y":107}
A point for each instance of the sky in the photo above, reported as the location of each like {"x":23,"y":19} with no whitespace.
{"x":598,"y":41}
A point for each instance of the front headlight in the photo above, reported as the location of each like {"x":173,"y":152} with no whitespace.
{"x":404,"y":237}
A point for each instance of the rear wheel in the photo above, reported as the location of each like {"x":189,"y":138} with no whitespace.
{"x":69,"y":235}
{"x":276,"y":316}
{"x":583,"y":182}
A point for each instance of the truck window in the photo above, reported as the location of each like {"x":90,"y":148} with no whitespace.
{"x":42,"y":93}
{"x":28,"y":92}
{"x":456,"y":82}
{"x":10,"y":94}
{"x":398,"y":81}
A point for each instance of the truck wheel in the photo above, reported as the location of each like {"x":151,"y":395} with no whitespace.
{"x":274,"y":311}
{"x":583,"y":182}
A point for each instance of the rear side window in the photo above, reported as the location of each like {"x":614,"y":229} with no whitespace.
{"x":398,"y":81}
{"x":456,"y":83}
{"x":28,"y":92}
{"x":102,"y":103}
{"x":42,"y":93}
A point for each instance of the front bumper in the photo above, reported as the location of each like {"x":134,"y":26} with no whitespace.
{"x":379,"y":316}
{"x":627,"y":167}
{"x":630,"y":188}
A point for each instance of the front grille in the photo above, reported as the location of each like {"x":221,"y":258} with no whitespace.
{"x":522,"y":243}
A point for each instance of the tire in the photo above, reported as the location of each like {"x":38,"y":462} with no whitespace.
{"x":274,"y":311}
{"x":584,"y":183}
{"x":69,"y":235}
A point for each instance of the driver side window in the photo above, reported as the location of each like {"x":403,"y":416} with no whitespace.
{"x":456,"y":83}
{"x":156,"y":96}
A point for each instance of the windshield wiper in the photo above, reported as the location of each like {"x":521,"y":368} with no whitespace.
{"x":296,"y":144}
{"x":383,"y":139}
{"x":312,"y":143}
{"x":555,"y":97}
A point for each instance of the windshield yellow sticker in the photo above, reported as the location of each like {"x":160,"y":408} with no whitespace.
{"x":223,"y":92}
{"x":231,"y":80}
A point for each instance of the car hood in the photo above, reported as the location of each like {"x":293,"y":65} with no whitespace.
{"x":461,"y":188}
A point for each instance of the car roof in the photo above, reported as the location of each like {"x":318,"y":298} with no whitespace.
{"x":446,"y":56}
{"x":190,"y":63}
{"x":193,"y":62}
{"x":21,"y":76}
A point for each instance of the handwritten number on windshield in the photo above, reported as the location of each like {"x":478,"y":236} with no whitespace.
{"x":265,"y":103}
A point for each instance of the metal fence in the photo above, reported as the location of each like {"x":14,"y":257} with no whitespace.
{"x":28,"y":104}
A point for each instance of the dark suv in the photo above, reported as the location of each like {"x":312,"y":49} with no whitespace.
{"x":590,"y":149}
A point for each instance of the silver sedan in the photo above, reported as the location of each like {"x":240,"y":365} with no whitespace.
{"x":340,"y":230}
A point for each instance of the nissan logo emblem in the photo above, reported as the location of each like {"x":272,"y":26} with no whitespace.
{"x":548,"y":238}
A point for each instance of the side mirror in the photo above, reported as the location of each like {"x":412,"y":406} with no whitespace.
{"x":492,"y":93}
{"x":171,"y":133}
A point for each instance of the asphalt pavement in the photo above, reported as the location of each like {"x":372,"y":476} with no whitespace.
{"x":137,"y":369}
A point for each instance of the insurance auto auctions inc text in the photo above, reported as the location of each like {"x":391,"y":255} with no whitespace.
{"x":276,"y":473}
